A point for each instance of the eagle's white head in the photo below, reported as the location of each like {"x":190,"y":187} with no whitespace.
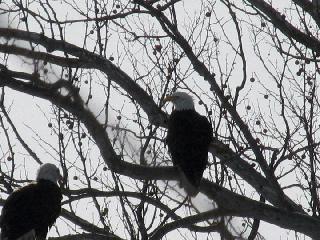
{"x":181,"y":101}
{"x":49,"y":171}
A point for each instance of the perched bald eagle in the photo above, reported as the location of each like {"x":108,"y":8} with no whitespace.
{"x":188,"y":139}
{"x":30,"y":211}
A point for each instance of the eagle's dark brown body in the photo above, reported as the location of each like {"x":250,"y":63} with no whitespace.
{"x":189,"y":136}
{"x":33,"y":207}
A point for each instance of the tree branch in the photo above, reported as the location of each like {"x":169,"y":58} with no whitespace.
{"x":202,"y":70}
{"x":97,"y":131}
{"x":155,"y":115}
{"x":279,"y":21}
{"x":238,"y":205}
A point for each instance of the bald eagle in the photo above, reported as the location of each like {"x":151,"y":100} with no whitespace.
{"x":30,"y":211}
{"x":188,"y":138}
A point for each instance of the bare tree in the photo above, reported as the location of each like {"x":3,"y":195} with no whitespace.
{"x":83,"y":83}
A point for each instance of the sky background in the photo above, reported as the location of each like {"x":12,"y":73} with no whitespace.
{"x":30,"y":113}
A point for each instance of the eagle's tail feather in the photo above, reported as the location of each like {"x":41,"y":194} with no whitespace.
{"x":190,"y":188}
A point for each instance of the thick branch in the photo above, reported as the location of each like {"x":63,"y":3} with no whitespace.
{"x":232,"y":204}
{"x":114,"y":73}
{"x":61,"y":61}
{"x":249,"y":174}
{"x":74,"y":104}
{"x":237,"y":205}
